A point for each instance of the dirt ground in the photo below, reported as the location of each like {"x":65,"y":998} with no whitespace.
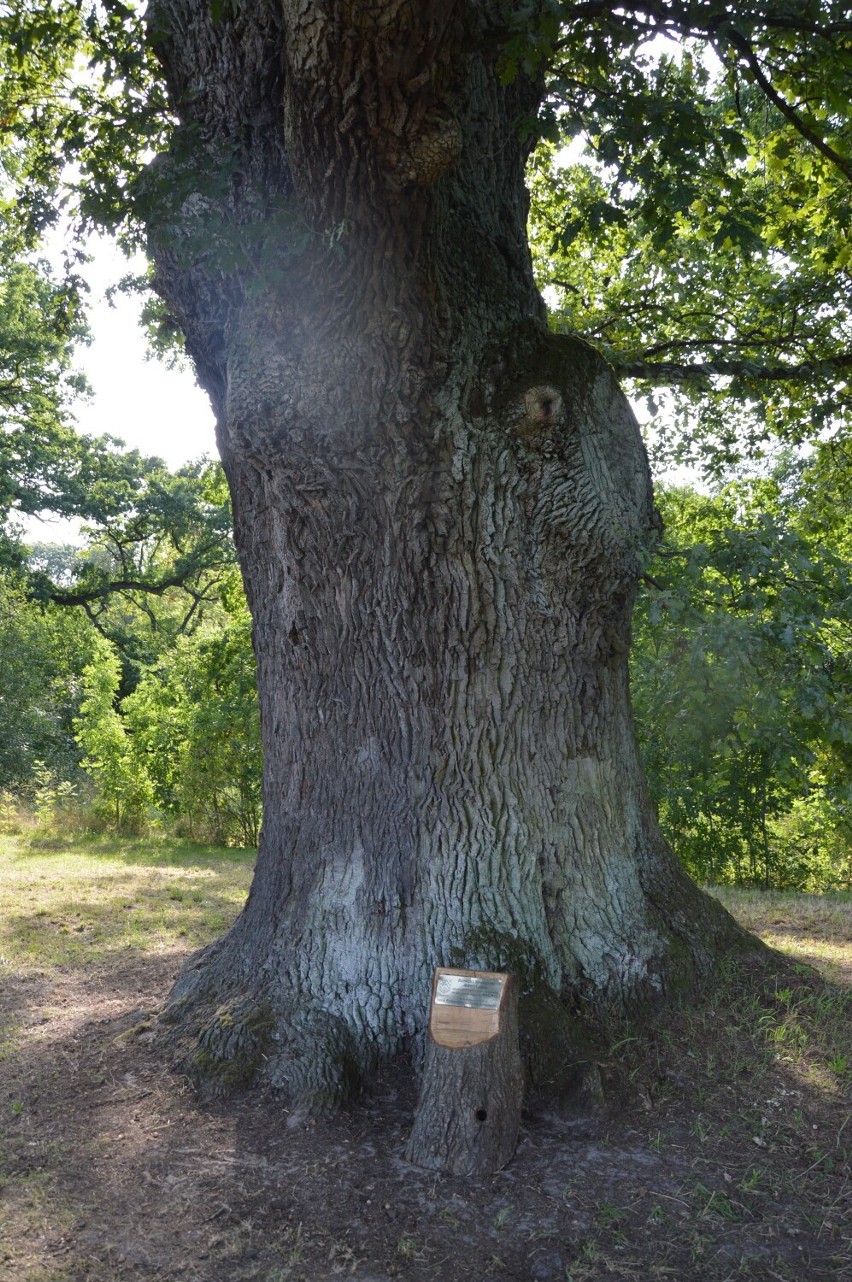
{"x":716,"y":1158}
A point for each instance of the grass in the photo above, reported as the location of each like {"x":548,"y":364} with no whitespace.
{"x":65,"y":903}
{"x":724,"y":1157}
{"x":813,"y":929}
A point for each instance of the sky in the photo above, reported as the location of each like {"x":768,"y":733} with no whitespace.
{"x":150,"y":407}
{"x":158,"y":410}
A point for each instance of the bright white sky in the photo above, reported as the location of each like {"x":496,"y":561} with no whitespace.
{"x":152,"y":408}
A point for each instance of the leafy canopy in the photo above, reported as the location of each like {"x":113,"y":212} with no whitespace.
{"x":698,"y":231}
{"x":701,"y":239}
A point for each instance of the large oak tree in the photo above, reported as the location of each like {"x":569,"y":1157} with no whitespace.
{"x":441,"y":510}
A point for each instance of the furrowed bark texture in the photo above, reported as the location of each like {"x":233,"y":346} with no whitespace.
{"x":440,"y":513}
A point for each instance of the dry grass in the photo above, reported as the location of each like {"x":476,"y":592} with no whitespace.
{"x":66,"y":903}
{"x":724,"y":1154}
{"x":814,"y":929}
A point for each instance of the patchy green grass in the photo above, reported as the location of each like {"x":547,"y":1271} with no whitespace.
{"x":813,"y":929}
{"x":69,"y":902}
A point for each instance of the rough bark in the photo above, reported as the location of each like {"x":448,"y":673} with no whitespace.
{"x":441,"y":513}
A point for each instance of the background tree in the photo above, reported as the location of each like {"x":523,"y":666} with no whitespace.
{"x":111,"y":759}
{"x":193,"y":719}
{"x":441,"y":509}
{"x":160,"y":712}
{"x":153,"y":566}
{"x":42,"y":653}
{"x":741,"y":683}
{"x":151,"y":534}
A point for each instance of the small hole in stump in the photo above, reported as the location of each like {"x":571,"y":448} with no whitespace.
{"x":480,"y":1115}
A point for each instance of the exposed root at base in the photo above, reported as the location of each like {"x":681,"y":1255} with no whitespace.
{"x":225,"y":1041}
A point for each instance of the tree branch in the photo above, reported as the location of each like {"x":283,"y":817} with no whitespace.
{"x":789,"y":113}
{"x":676,"y":372}
{"x":86,"y":596}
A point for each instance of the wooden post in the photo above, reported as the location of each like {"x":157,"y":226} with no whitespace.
{"x":469,"y":1112}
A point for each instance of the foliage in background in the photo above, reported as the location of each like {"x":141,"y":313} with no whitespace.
{"x":81,"y":107}
{"x":42,"y":462}
{"x":182,"y":749}
{"x":194,"y":719}
{"x":152,"y":596}
{"x":152,"y":535}
{"x":741,"y":682}
{"x":184,"y":745}
{"x":111,"y":756}
{"x":43,"y":651}
{"x":154,"y":570}
{"x":698,"y":232}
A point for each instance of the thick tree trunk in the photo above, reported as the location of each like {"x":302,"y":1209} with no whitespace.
{"x":441,"y":512}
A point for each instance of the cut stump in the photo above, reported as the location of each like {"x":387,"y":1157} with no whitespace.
{"x":469,"y":1110}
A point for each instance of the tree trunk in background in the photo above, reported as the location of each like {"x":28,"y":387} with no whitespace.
{"x":441,"y":512}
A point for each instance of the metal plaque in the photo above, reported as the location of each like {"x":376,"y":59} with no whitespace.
{"x":468,"y":990}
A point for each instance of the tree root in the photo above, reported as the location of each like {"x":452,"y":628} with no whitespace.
{"x":226,"y":1038}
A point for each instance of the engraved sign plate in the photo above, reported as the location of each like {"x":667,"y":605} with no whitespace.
{"x":466,"y":1006}
{"x":472,"y":991}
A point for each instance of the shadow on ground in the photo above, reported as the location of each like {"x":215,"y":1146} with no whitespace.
{"x":111,"y":1170}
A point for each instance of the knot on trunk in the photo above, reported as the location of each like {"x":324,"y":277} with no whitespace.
{"x":539,"y":418}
